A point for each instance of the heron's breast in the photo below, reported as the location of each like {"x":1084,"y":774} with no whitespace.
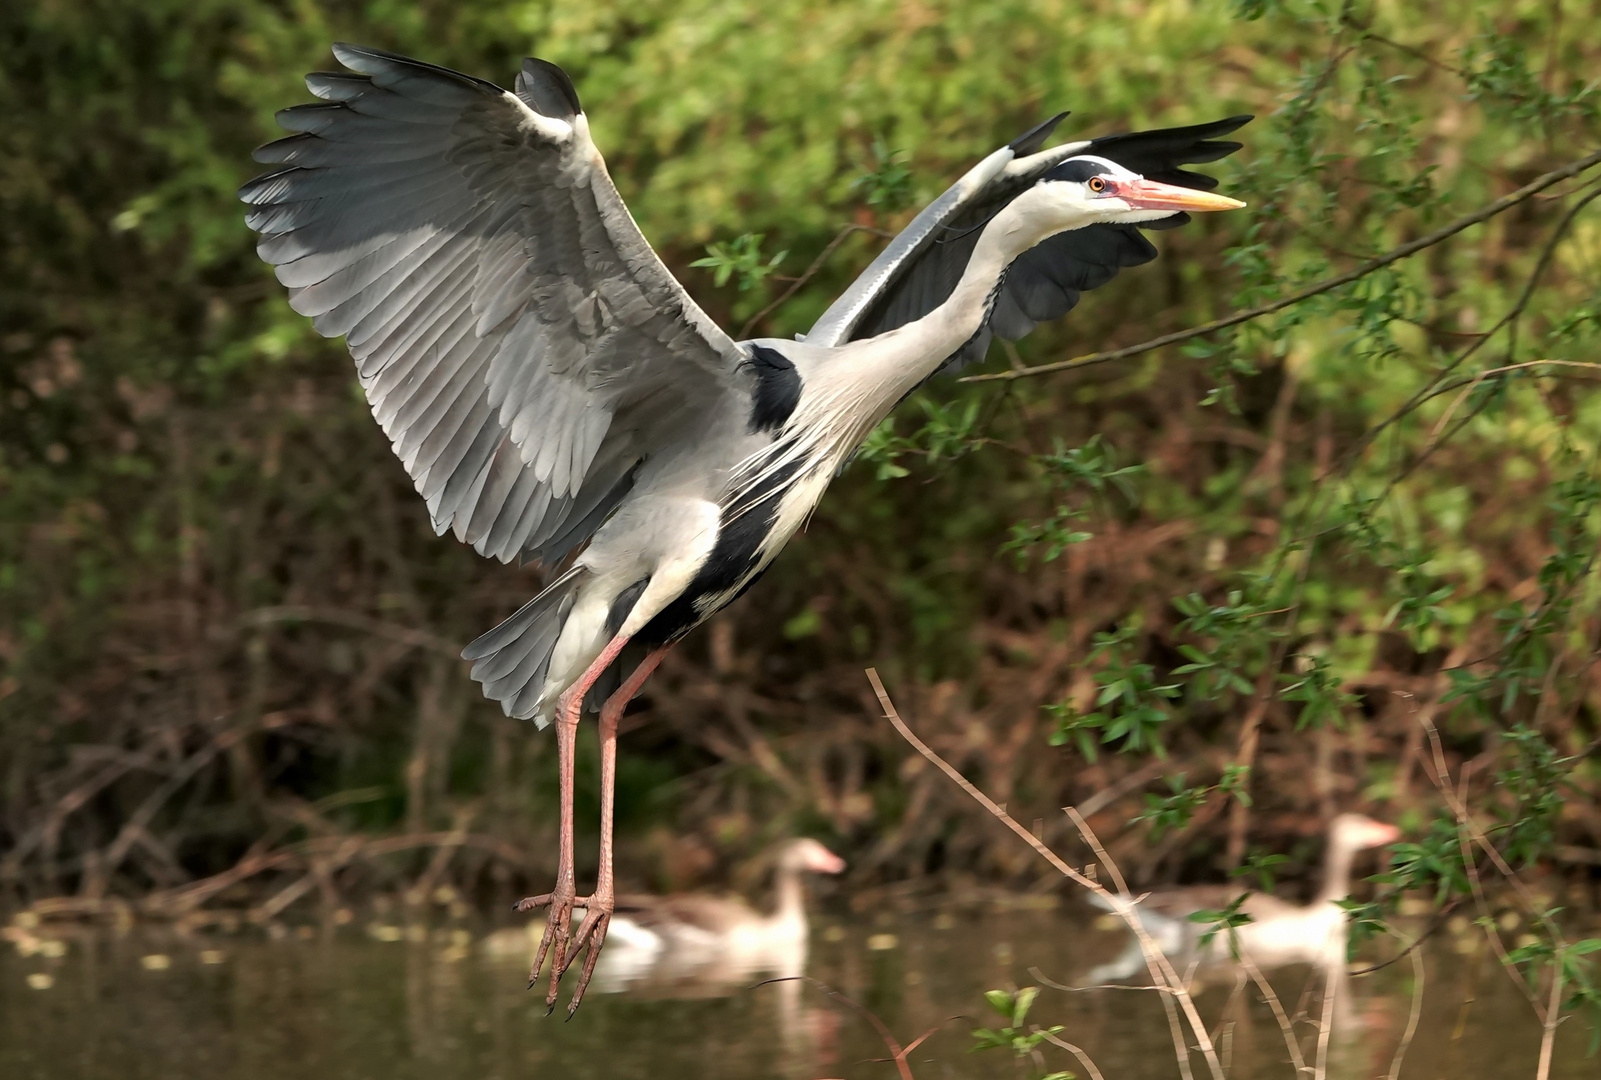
{"x":750,"y":535}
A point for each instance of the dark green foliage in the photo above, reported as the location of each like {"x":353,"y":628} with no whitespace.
{"x":223,"y":619}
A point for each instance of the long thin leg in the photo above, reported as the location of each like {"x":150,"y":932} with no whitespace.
{"x":559,"y":921}
{"x":600,"y":906}
{"x":560,"y":898}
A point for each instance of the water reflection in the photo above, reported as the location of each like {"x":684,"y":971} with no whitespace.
{"x":422,"y":1006}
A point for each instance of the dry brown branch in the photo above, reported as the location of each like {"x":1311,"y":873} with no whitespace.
{"x":1161,"y":969}
{"x":1475,"y":380}
{"x":1084,"y":1059}
{"x":1467,"y":221}
{"x":1291,"y":1043}
{"x":1549,"y":1022}
{"x":1333,"y":987}
{"x":1471,"y":867}
{"x":68,"y":804}
{"x":1094,"y":841}
{"x":1550,"y":1014}
{"x":1413,"y":1017}
{"x":1250,"y":737}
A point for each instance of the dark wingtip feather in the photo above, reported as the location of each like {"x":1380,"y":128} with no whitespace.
{"x":1034,"y":138}
{"x":251,"y":190}
{"x":368,"y":61}
{"x":547,"y":89}
{"x":279,"y":151}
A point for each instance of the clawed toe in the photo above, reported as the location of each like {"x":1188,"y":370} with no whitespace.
{"x":593,"y":935}
{"x":563,"y":946}
{"x":558,"y":923}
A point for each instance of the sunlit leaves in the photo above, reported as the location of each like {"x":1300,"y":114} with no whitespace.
{"x":740,"y":259}
{"x":1093,"y":467}
{"x":1013,"y":1007}
{"x":1131,"y":704}
{"x":888,"y":184}
{"x":1224,"y":920}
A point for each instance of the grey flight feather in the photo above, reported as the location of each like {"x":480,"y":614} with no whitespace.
{"x":519,"y":341}
{"x":921,"y":266}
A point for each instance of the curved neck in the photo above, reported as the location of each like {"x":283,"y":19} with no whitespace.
{"x":790,"y":901}
{"x":850,"y":388}
{"x":896,"y":362}
{"x":1023,"y":223}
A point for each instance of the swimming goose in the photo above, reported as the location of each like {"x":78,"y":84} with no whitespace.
{"x":713,"y":939}
{"x":1279,"y":933}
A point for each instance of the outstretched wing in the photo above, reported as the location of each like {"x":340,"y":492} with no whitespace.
{"x":520,"y":343}
{"x":920,"y":267}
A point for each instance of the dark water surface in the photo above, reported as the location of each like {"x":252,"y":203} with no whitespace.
{"x":445,"y":1004}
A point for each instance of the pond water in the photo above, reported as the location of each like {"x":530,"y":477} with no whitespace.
{"x":445,"y":1003}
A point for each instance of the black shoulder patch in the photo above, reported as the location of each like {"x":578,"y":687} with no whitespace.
{"x":778,"y":388}
{"x":1077,"y":169}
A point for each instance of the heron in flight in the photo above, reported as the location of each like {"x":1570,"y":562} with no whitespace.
{"x":551,"y":388}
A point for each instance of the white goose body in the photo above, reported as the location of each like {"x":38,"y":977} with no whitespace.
{"x":1278,"y":934}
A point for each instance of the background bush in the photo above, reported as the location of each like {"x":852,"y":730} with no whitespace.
{"x":1257,"y":565}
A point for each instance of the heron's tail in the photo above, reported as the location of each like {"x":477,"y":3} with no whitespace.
{"x":512,"y":659}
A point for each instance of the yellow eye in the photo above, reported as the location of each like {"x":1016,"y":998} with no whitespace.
{"x":1097,"y":184}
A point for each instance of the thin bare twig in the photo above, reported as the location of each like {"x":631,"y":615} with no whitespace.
{"x":1412,"y":1019}
{"x":1333,"y":987}
{"x":1122,"y":905}
{"x":1442,"y":781}
{"x":1094,"y":841}
{"x":1291,"y":1043}
{"x":1089,"y":1066}
{"x":1553,"y":1017}
{"x":1436,"y":922}
{"x":1467,"y":221}
{"x":811,"y":271}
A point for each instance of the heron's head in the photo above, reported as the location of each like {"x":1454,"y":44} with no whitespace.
{"x":1087,"y":190}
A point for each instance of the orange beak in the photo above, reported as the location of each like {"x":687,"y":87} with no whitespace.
{"x":1150,"y":195}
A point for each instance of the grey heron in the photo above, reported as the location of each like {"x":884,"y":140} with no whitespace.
{"x":551,"y":388}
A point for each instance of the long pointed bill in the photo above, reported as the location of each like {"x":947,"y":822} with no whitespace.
{"x":1150,"y":195}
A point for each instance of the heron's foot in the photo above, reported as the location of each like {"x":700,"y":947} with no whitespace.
{"x":532,"y":903}
{"x":598,"y":911}
{"x":554,"y":942}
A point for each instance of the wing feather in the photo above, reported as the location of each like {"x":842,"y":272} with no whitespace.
{"x":501,"y":305}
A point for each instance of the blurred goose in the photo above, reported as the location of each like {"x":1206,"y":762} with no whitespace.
{"x":1279,"y":933}
{"x":715,"y":940}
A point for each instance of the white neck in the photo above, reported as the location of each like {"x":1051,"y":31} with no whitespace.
{"x":791,"y":902}
{"x":850,"y":388}
{"x":1337,"y":871}
{"x":1023,"y":223}
{"x":915,"y":351}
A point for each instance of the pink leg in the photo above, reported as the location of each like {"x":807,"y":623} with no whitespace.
{"x":559,"y":921}
{"x":600,"y":906}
